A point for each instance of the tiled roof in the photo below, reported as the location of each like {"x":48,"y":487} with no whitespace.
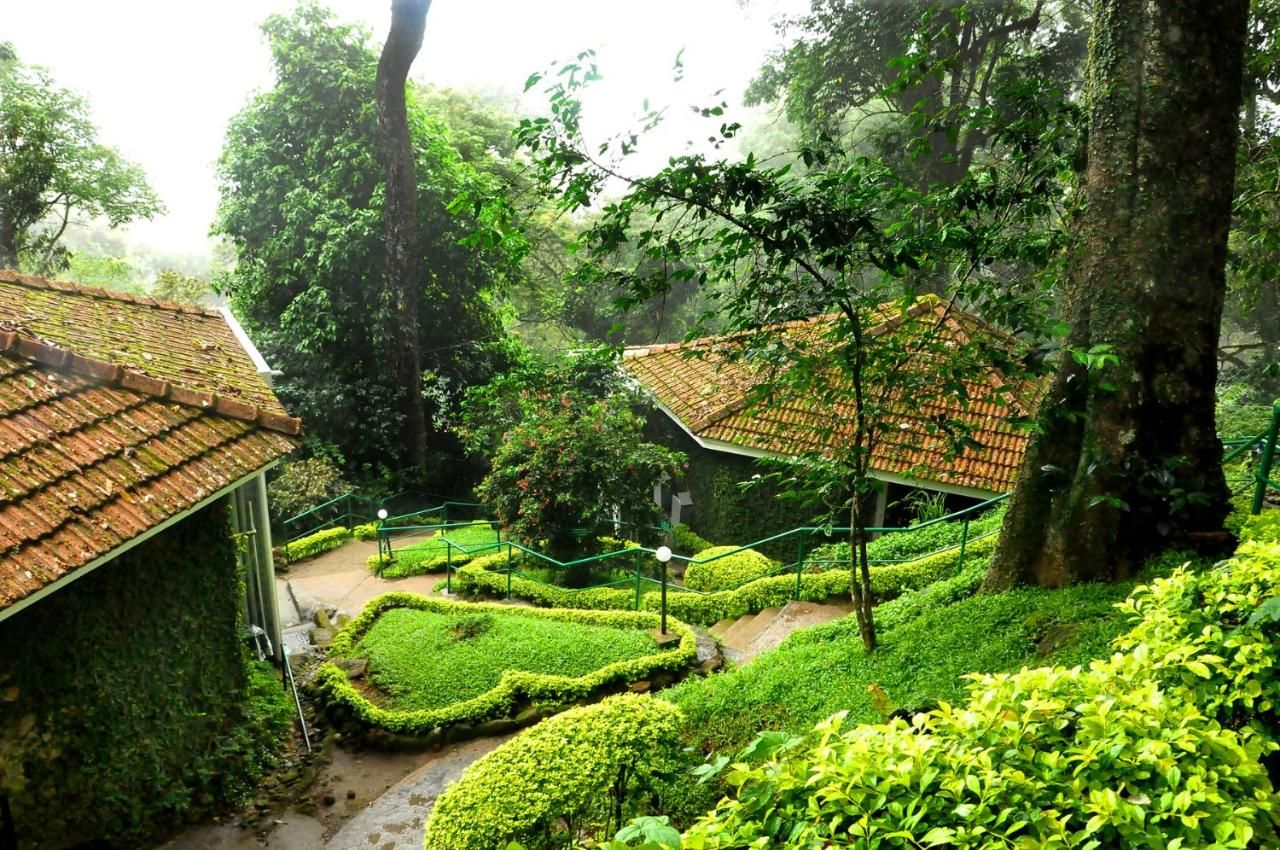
{"x":181,"y":343}
{"x":709,"y":387}
{"x":95,"y":452}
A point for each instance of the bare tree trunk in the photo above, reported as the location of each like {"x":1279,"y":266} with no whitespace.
{"x":400,"y":214}
{"x":1127,"y":459}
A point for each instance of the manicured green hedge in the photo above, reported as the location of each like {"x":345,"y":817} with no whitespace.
{"x":1160,"y":745}
{"x":483,"y":577}
{"x":686,"y":541}
{"x":318,"y":543}
{"x":433,"y":554}
{"x":337,"y":693}
{"x":725,"y":567}
{"x":565,"y":771}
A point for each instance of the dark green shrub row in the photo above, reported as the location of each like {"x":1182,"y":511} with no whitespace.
{"x":335,"y":689}
{"x":726,"y":567}
{"x":483,"y":577}
{"x":686,"y":541}
{"x":566,"y":771}
{"x":318,"y":543}
{"x":1158,"y":746}
{"x":910,"y":544}
{"x":434,"y":554}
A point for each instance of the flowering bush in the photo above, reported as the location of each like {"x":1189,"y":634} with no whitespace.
{"x":566,"y":471}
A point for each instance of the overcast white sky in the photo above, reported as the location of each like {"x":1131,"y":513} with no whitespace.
{"x":163,"y":76}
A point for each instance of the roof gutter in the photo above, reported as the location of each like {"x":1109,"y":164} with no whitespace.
{"x":30,"y":599}
{"x":265,"y":372}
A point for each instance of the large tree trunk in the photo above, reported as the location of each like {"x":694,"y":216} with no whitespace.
{"x":1127,"y":459}
{"x":400,"y":215}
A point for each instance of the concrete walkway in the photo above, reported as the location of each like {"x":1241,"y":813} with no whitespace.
{"x":339,"y":579}
{"x":397,"y":819}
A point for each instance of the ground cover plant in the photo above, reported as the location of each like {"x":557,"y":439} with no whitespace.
{"x":927,"y":647}
{"x":434,"y":553}
{"x":474,"y":641}
{"x":427,"y":659}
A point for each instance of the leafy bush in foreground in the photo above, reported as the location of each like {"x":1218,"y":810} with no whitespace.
{"x":585,"y":761}
{"x":716,"y":569}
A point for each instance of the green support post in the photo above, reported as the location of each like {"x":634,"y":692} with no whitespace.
{"x":448,"y":567}
{"x":799,"y":563}
{"x":1264,"y":467}
{"x":508,"y":570}
{"x":637,"y":560}
{"x":964,"y":541}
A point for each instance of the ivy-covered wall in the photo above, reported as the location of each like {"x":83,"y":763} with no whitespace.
{"x":723,"y":512}
{"x":124,"y":704}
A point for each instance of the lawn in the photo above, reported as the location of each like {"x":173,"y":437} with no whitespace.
{"x":424,"y":659}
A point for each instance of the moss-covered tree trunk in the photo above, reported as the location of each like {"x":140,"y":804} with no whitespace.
{"x":400,"y":215}
{"x":1127,"y":458}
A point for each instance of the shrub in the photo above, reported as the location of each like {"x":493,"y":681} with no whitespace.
{"x":572,"y":770}
{"x":366,"y":531}
{"x":1263,"y":528}
{"x":479,"y":577}
{"x":434,"y":554}
{"x":318,"y":543}
{"x":1089,"y":758}
{"x":302,"y":484}
{"x":910,"y":544}
{"x":725,"y":567}
{"x":686,"y":541}
{"x":566,"y":467}
{"x":336,"y":692}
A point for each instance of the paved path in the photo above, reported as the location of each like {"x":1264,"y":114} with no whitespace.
{"x":339,"y":579}
{"x":397,"y":819}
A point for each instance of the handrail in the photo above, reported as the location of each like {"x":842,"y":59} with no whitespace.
{"x":319,"y":507}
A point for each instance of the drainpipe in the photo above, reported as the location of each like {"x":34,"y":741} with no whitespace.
{"x":266,"y":566}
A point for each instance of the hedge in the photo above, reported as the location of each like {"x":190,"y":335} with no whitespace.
{"x":686,"y":541}
{"x":318,"y":543}
{"x":564,"y":770}
{"x":725,"y":567}
{"x":482,"y":578}
{"x":336,"y":692}
{"x":1160,"y":745}
{"x":432,"y":554}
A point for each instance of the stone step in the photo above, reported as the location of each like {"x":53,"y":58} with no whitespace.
{"x":793,"y":616}
{"x":721,"y":627}
{"x":741,"y":633}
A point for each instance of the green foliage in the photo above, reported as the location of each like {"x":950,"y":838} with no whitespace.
{"x":428,"y":659}
{"x":686,"y":541}
{"x":570,"y":468}
{"x":726,"y":567}
{"x":54,"y":169}
{"x":910,"y":544}
{"x":366,"y":531}
{"x":435,"y":553}
{"x":171,"y":285}
{"x":485,"y":576}
{"x":302,"y":192}
{"x":1263,"y":528}
{"x":570,"y":773}
{"x":138,"y":679}
{"x":1237,"y":416}
{"x":303,"y":484}
{"x":982,"y":773}
{"x":930,"y":639}
{"x":318,"y":543}
{"x":513,"y":687}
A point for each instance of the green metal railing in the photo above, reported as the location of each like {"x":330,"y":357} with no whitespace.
{"x":632,"y":561}
{"x":1258,"y":479}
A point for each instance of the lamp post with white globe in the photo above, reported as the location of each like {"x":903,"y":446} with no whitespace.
{"x":382,"y":518}
{"x":663,"y":554}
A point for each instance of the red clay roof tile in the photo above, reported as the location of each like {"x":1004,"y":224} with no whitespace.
{"x":713,"y":396}
{"x":116,"y":414}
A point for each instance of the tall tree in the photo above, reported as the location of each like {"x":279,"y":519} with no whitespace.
{"x":52,"y":167}
{"x":400,"y":213}
{"x":302,"y":205}
{"x":1126,"y":458}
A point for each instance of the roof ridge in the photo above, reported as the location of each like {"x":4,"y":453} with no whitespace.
{"x":35,"y":282}
{"x":134,"y":379}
